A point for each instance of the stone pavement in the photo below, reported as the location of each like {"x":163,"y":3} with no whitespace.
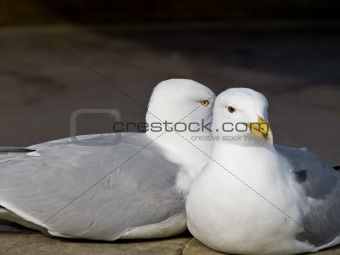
{"x":37,"y":244}
{"x":48,"y":72}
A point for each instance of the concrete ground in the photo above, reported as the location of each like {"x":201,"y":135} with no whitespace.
{"x":48,"y":72}
{"x":34,"y":243}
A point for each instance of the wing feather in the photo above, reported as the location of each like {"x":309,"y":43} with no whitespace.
{"x":322,"y":187}
{"x":93,"y":192}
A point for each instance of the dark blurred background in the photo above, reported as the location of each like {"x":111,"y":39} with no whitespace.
{"x":60,"y":56}
{"x":107,"y":12}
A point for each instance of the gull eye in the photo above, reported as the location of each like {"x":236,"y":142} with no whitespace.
{"x":231,"y":109}
{"x":205,"y":102}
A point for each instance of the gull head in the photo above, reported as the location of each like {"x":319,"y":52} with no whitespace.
{"x":240,"y":116}
{"x":183,"y":110}
{"x":180,"y":100}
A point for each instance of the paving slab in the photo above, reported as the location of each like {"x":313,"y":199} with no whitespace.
{"x":196,"y":247}
{"x":37,"y":244}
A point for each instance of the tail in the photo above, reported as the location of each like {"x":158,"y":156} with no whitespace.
{"x":10,"y":217}
{"x":337,"y":168}
{"x":14,"y":149}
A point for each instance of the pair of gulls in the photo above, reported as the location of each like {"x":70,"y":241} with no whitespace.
{"x":235,"y":190}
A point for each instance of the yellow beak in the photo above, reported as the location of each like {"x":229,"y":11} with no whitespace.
{"x":261,"y":129}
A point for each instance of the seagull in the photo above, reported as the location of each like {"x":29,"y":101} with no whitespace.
{"x":257,"y":198}
{"x":132,"y":188}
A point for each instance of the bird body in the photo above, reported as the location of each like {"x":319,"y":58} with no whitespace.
{"x":257,"y":198}
{"x":133,"y":188}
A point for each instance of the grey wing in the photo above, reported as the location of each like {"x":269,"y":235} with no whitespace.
{"x":84,"y":139}
{"x":92,"y":192}
{"x":321,"y":183}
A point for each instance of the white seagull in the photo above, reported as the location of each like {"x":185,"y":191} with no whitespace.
{"x":133,"y":189}
{"x":256,"y":198}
